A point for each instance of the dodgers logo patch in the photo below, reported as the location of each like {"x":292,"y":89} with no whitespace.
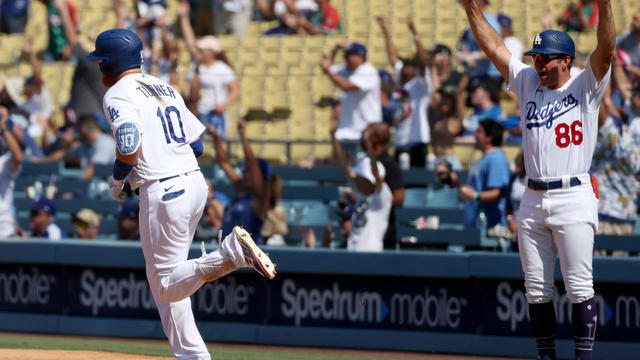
{"x":127,"y":138}
{"x":113,"y":113}
{"x":537,"y":40}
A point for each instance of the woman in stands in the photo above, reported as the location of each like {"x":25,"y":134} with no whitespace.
{"x":214,"y":85}
{"x":255,"y":195}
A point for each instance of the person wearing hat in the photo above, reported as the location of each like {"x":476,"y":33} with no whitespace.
{"x":128,"y":226}
{"x":472,"y":57}
{"x":511,"y":42}
{"x":10,"y":159}
{"x":41,"y":220}
{"x":86,"y":223}
{"x":482,"y":97}
{"x":628,"y":46}
{"x":558,"y":214}
{"x":580,"y":15}
{"x":214,"y":84}
{"x":360,"y":99}
{"x":254,"y":189}
{"x":412,"y":130}
{"x":374,"y":198}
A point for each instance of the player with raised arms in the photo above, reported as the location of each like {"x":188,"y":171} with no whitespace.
{"x":558,"y":213}
{"x":158,"y":141}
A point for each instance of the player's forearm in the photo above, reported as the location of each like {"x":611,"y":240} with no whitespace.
{"x":342,"y":83}
{"x":340,"y":155}
{"x":603,"y":54}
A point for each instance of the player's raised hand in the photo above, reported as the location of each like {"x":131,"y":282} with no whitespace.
{"x":412,"y":25}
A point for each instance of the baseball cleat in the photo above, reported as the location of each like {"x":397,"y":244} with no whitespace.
{"x":257,"y":259}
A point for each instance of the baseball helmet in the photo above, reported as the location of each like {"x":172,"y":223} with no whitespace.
{"x":118,"y":49}
{"x":553,"y":42}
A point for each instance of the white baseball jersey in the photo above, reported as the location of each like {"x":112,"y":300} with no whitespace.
{"x":559,"y":127}
{"x":7,"y":184}
{"x":166,"y":126}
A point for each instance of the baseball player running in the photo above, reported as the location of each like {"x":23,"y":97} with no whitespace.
{"x":158,"y":141}
{"x":558,"y":212}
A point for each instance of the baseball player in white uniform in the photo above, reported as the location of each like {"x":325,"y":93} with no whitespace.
{"x":558,"y":213}
{"x":158,"y":141}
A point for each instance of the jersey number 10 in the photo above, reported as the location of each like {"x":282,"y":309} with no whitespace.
{"x":566,"y":134}
{"x":167,"y":125}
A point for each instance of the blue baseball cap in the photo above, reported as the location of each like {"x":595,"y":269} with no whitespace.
{"x":44,"y":204}
{"x":357,"y":49}
{"x":128,"y":211}
{"x":504,"y":20}
{"x":385,"y":76}
{"x":553,"y":42}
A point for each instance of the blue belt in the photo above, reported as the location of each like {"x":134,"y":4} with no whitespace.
{"x":551,"y":185}
{"x":175,"y":176}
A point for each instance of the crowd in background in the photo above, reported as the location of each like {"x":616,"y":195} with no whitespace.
{"x":432,"y":99}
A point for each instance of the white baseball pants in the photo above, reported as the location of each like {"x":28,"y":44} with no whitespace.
{"x":167,"y":224}
{"x":557,"y":223}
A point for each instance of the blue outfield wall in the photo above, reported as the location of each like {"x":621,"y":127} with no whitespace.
{"x":470,"y":303}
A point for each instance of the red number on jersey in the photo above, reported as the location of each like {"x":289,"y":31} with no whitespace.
{"x":566,"y":135}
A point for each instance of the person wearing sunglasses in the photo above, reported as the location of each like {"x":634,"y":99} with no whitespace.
{"x":558,"y":213}
{"x":86,"y":224}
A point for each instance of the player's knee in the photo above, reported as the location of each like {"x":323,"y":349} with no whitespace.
{"x":538,"y":298}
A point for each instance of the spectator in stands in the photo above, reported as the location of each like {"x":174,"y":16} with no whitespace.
{"x":232,"y":17}
{"x":412,"y":132}
{"x":214,"y":84}
{"x":38,"y":104}
{"x":513,"y":44}
{"x":148,"y":14}
{"x":13,"y":16}
{"x":370,"y":216}
{"x":128,"y":227}
{"x":488,"y":180}
{"x":360,"y":99}
{"x":448,"y":111}
{"x":288,"y":12}
{"x":616,"y":165}
{"x":86,"y":223}
{"x":514,"y":195}
{"x":63,"y":30}
{"x":275,"y":227}
{"x":630,"y":43}
{"x":253,"y":195}
{"x":378,"y":134}
{"x":41,"y":220}
{"x":12,"y":97}
{"x":443,"y":72}
{"x":95,"y":147}
{"x":10,"y":160}
{"x":474,"y":60}
{"x":325,"y":21}
{"x":483,"y":98}
{"x":580,"y":16}
{"x":387,"y":90}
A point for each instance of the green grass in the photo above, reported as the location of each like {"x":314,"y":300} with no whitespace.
{"x":161,"y":349}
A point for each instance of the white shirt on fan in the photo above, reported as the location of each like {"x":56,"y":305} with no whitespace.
{"x":559,"y":127}
{"x":359,"y":107}
{"x":7,"y":184}
{"x":166,"y":126}
{"x":415,"y":129}
{"x":371,"y":216}
{"x":214,"y":80}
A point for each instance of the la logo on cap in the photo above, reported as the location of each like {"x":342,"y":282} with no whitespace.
{"x":537,"y":40}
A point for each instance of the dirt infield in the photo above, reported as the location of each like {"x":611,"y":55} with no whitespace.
{"x":29,"y":354}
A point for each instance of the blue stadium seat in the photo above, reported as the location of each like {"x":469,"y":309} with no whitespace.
{"x":415,"y":197}
{"x":306,"y":212}
{"x":443,"y":198}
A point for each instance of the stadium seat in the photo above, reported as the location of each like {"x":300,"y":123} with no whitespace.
{"x":415,"y":197}
{"x":443,"y":198}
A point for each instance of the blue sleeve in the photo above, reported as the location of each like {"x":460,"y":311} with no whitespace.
{"x":197,"y":147}
{"x":497,"y":172}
